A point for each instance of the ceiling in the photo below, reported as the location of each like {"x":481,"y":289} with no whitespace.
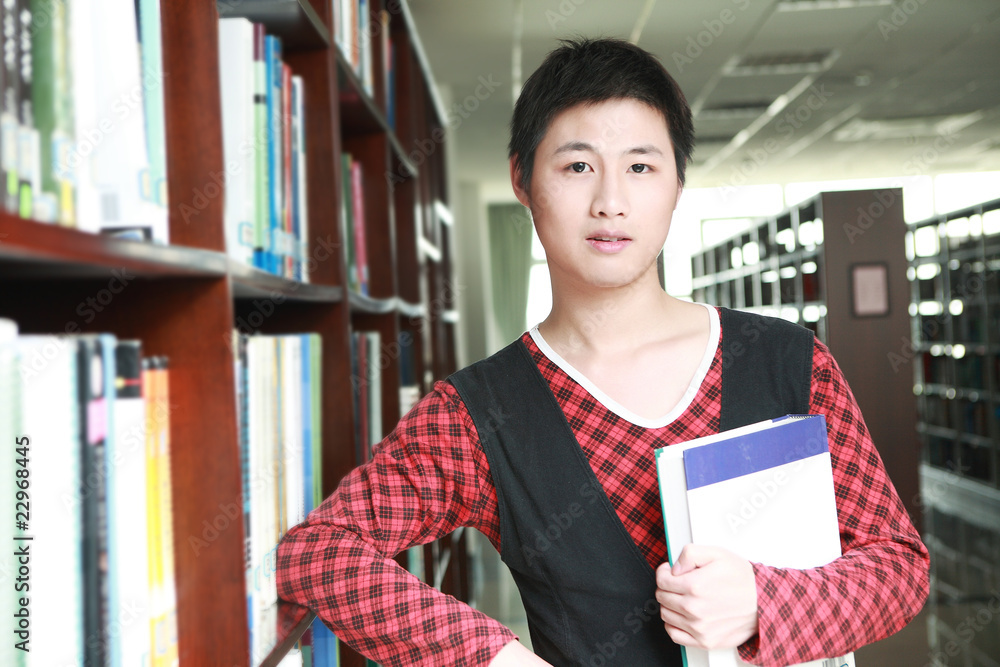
{"x":783,"y":90}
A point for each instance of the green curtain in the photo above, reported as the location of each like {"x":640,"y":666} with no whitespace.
{"x":510,"y":261}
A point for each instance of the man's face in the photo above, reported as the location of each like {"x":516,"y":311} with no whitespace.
{"x":603,"y":190}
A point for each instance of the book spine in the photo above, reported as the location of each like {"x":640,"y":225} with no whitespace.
{"x":261,"y":148}
{"x":9,"y":108}
{"x":358,"y":202}
{"x":94,"y":425}
{"x":301,"y":209}
{"x":27,"y":138}
{"x":276,"y":160}
{"x":347,"y":211}
{"x":52,"y":101}
{"x":287,"y":268}
{"x":151,"y":41}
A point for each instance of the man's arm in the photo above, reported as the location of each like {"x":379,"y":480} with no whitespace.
{"x":881,"y":581}
{"x":712,"y":598}
{"x":426,"y":479}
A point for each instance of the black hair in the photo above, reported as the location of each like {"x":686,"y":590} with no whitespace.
{"x":590,"y":71}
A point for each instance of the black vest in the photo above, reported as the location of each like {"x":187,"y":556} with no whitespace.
{"x":587,"y":589}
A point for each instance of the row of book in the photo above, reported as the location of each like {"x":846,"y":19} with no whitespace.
{"x":359,"y":29}
{"x":92,"y":481}
{"x":83,"y":141}
{"x":279,"y":399}
{"x":263,"y":124}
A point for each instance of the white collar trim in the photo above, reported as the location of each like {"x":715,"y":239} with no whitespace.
{"x":620,"y":410}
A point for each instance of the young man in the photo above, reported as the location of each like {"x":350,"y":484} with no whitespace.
{"x":547,"y":447}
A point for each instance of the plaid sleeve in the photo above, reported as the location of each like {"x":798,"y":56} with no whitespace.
{"x":881,"y":581}
{"x":427,"y":478}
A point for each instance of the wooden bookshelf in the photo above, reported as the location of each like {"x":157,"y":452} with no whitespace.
{"x":955,"y":357}
{"x":184,"y":300}
{"x":801,"y":265}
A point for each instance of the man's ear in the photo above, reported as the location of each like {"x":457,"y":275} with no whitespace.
{"x":680,"y":191}
{"x":515,"y":182}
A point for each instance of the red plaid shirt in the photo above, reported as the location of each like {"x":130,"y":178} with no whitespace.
{"x":430,"y":476}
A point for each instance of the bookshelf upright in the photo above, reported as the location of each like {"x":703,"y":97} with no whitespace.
{"x":954,"y":272}
{"x":184,"y":300}
{"x":834,"y":263}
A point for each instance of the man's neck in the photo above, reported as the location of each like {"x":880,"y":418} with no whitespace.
{"x":608,"y":321}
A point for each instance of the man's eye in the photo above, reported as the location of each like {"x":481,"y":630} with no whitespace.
{"x":639,"y":168}
{"x":579,"y":167}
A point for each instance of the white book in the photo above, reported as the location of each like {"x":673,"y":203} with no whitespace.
{"x":110,"y":157}
{"x":128,"y":522}
{"x":765,"y":492}
{"x":292,"y":457}
{"x":299,"y":150}
{"x":236,"y":76}
{"x":48,"y":371}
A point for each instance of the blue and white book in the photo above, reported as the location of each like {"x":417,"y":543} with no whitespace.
{"x":763,"y":491}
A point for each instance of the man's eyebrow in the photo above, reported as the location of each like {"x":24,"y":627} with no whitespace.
{"x":647,"y":149}
{"x":583,"y":146}
{"x":575,"y":146}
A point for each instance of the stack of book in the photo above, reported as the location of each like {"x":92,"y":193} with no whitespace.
{"x":278,"y":399}
{"x":82,"y":139}
{"x":359,"y":29}
{"x":92,"y":416}
{"x":263,"y":124}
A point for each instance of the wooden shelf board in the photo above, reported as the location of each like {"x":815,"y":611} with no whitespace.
{"x":365,"y":304}
{"x":293,"y":622}
{"x":408,"y":309}
{"x":30,"y":249}
{"x":253,"y":283}
{"x":294,"y":21}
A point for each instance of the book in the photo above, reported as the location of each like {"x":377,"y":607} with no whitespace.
{"x":128,"y":552}
{"x":261,"y":149}
{"x":95,"y":372}
{"x":111,"y":154}
{"x":53,"y":107}
{"x":239,"y":107}
{"x":151,"y":52}
{"x":9,"y":104}
{"x":28,"y":158}
{"x":48,"y":370}
{"x":763,"y":491}
{"x":300,"y":216}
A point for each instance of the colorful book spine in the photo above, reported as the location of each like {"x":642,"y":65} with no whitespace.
{"x":10,"y":105}
{"x":52,"y":96}
{"x":261,"y":149}
{"x":151,"y":42}
{"x":287,"y":256}
{"x":358,"y":209}
{"x":275,"y":157}
{"x":300,"y":216}
{"x":28,"y":158}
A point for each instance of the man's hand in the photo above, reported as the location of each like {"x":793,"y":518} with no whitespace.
{"x":516,"y":654}
{"x":708,"y":599}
